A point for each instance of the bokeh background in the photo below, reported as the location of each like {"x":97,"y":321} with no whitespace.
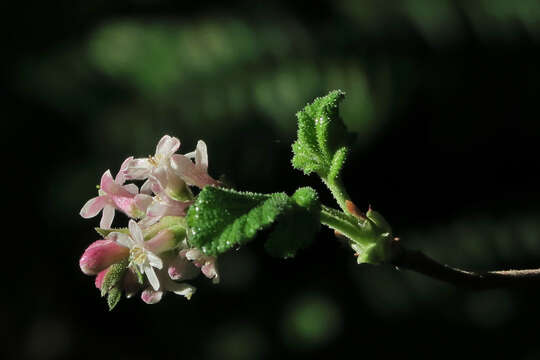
{"x":443,"y":97}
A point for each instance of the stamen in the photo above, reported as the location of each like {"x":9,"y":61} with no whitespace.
{"x":152,"y":160}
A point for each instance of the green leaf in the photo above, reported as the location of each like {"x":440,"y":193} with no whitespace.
{"x":222,"y":219}
{"x":322,"y":141}
{"x":114,"y":297}
{"x":114,"y":276}
{"x":298,"y":226}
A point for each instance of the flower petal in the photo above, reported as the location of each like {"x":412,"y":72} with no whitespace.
{"x":167,"y":146}
{"x":122,"y":239}
{"x":138,"y":169}
{"x":93,"y":207}
{"x":184,"y":289}
{"x":154,"y":260}
{"x":106,"y":180}
{"x":146,"y":188}
{"x":191,"y":174}
{"x":152,"y":277}
{"x":132,"y":188}
{"x":107,"y":217}
{"x":201,"y":155}
{"x":143,"y":201}
{"x":121,"y":177}
{"x":136,"y":232}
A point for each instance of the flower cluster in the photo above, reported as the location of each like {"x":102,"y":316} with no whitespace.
{"x":152,"y":254}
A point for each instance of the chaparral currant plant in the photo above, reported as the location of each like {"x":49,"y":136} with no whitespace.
{"x":173,"y":235}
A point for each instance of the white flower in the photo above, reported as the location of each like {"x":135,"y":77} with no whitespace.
{"x":142,"y":168}
{"x":139,"y":256}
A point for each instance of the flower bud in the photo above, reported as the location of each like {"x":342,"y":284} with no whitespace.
{"x":150,"y":296}
{"x":182,"y":269}
{"x":99,"y":278}
{"x":100,"y":255}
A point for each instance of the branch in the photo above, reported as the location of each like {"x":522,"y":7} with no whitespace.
{"x":417,"y":261}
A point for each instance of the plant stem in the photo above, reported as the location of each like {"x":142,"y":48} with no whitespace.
{"x":345,"y":224}
{"x":421,"y":263}
{"x":338,"y":191}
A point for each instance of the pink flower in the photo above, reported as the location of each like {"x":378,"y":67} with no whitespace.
{"x":100,"y":255}
{"x":163,"y":205}
{"x":194,"y":173}
{"x":113,"y":195}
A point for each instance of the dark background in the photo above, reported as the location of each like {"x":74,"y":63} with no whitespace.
{"x":442,"y":96}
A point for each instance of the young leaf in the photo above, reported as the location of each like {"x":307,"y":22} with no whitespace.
{"x":114,"y":276}
{"x":222,"y":219}
{"x":298,"y":227}
{"x":322,"y":141}
{"x":113,"y":298}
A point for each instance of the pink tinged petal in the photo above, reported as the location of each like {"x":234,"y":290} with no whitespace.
{"x":107,"y":217}
{"x":136,"y":232}
{"x":154,"y":260}
{"x":209,"y":270}
{"x":147,"y":187}
{"x":106,"y":180}
{"x":100,"y":255}
{"x":93,"y":206}
{"x":201,"y":155}
{"x":150,"y":296}
{"x":163,"y":241}
{"x":121,"y":177}
{"x":148,"y":221}
{"x":111,"y":188}
{"x":157,"y":209}
{"x":138,"y":169}
{"x":99,"y":278}
{"x":167,"y":146}
{"x":132,"y":188}
{"x":125,"y":204}
{"x":142,"y":202}
{"x":152,"y":277}
{"x":122,"y":239}
{"x":191,"y":174}
{"x":181,"y":269}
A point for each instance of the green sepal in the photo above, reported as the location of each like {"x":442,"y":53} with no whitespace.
{"x":176,"y":224}
{"x":222,"y":219}
{"x":374,"y":253}
{"x":297,"y":227}
{"x":380,"y":222}
{"x":105,"y":232}
{"x":322,"y":141}
{"x":113,"y":298}
{"x":114,"y":276}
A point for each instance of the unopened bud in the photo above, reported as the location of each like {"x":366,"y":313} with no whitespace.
{"x":100,"y":255}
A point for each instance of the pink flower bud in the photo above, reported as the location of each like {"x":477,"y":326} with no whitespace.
{"x":182,"y":269}
{"x":100,"y":255}
{"x":100,"y":277}
{"x":209,"y":269}
{"x":150,"y":296}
